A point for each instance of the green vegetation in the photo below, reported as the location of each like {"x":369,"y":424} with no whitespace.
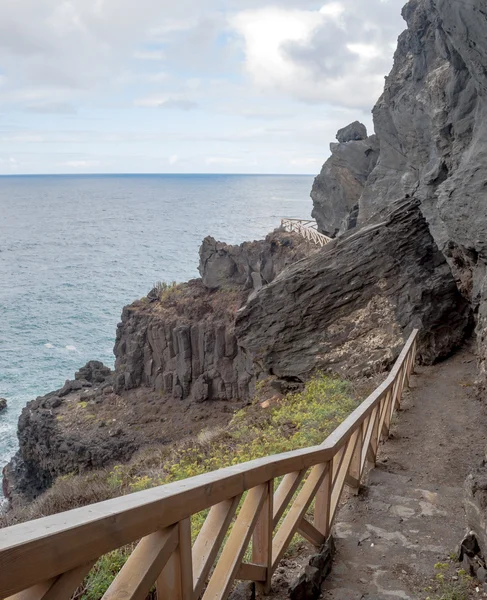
{"x":296,"y":421}
{"x":450,"y":583}
{"x":165,"y":290}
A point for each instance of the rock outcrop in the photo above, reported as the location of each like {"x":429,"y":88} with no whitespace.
{"x":354,"y":132}
{"x":431,"y":123}
{"x":251,"y":264}
{"x":350,"y":307}
{"x":337,"y":189}
{"x":184,"y":346}
{"x":47,"y":448}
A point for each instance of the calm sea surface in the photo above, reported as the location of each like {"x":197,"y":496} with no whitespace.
{"x":75,"y":249}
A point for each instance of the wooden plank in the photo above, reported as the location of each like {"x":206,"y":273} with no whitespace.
{"x":338,"y":484}
{"x":36,"y":592}
{"x":230,"y":560}
{"x":65,"y":585}
{"x":322,"y":505}
{"x":355,"y":469}
{"x":297,"y":511}
{"x":252,"y":572}
{"x":337,"y":462}
{"x":140,"y":572}
{"x":368,"y":449}
{"x":388,"y":411}
{"x":310,"y":533}
{"x":286,"y":490}
{"x":175,"y":582}
{"x":209,"y":540}
{"x":262,"y":538}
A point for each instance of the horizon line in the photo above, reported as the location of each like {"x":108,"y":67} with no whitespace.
{"x":153,"y":174}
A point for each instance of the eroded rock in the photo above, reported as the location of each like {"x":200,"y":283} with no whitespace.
{"x":338,"y":188}
{"x":251,"y":264}
{"x":350,"y":307}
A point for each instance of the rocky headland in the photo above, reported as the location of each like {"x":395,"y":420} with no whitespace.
{"x":408,"y":208}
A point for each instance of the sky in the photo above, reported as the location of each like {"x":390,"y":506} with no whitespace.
{"x":187,"y":86}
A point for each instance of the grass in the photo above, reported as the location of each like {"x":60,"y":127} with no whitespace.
{"x":297,"y":421}
{"x":450,"y":583}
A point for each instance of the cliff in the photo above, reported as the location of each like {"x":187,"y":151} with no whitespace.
{"x":431,"y":128}
{"x":337,"y":189}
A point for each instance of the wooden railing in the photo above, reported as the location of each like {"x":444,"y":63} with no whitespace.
{"x":49,"y":558}
{"x":307,"y":229}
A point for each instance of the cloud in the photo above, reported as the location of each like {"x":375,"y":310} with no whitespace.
{"x":80,"y":80}
{"x":55,"y":108}
{"x":167,"y":102}
{"x":338,"y":54}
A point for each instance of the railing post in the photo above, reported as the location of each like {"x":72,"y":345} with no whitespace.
{"x":323,"y":504}
{"x":262,"y":539}
{"x":176,"y":580}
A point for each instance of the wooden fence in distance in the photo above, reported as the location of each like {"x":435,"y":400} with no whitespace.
{"x":48,"y":558}
{"x":307,"y":229}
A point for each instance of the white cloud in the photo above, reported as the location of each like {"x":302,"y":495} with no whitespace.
{"x":168,"y":102}
{"x":80,"y":79}
{"x":337,"y":54}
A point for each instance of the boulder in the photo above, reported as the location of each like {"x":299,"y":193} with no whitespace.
{"x":337,"y":189}
{"x":3,"y":404}
{"x":250,"y":264}
{"x":350,"y":307}
{"x":354,"y":132}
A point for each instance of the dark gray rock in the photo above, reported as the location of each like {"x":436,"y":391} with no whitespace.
{"x":182,"y":354}
{"x":93,"y":372}
{"x":350,"y":307}
{"x":250,"y":264}
{"x":3,"y":404}
{"x":475,"y":501}
{"x":337,"y":189}
{"x":243,"y":591}
{"x":354,"y":132}
{"x":308,"y":586}
{"x":431,"y":122}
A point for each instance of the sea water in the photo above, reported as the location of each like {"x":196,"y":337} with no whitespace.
{"x":75,"y":249}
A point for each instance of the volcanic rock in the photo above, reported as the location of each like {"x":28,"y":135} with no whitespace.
{"x":337,"y":189}
{"x":350,"y":307}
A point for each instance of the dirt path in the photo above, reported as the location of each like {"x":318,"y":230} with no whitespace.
{"x":411,"y":514}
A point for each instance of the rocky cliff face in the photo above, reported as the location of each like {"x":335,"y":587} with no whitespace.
{"x":184,"y":345}
{"x":48,"y":448}
{"x":337,"y":189}
{"x":176,"y":355}
{"x":350,"y":307}
{"x":251,"y":264}
{"x":431,"y":125}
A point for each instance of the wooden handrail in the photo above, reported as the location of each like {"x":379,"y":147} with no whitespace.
{"x":307,"y":229}
{"x":49,"y":557}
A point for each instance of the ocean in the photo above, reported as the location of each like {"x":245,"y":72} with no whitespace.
{"x":75,"y":249}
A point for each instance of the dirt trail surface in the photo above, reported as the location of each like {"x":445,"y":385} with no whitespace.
{"x":410,"y":515}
